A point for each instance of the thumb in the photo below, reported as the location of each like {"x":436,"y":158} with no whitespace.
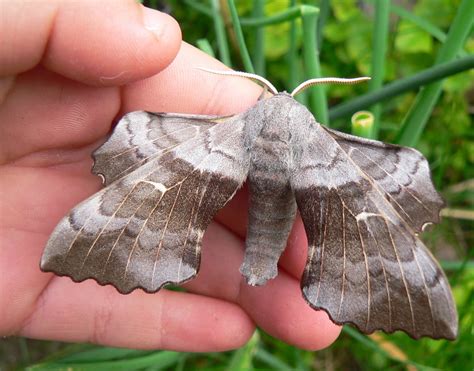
{"x":100,"y":43}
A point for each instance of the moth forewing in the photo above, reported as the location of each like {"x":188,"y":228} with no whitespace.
{"x":144,"y":229}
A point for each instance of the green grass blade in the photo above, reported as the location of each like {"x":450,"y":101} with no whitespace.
{"x":242,"y":358}
{"x":206,"y":47}
{"x":395,"y":88}
{"x":374,"y":346}
{"x":69,"y":351}
{"x":219,"y":28}
{"x":379,"y":52}
{"x":98,"y":354}
{"x":418,"y":115}
{"x":420,"y":22}
{"x":258,"y":52}
{"x":317,"y":101}
{"x":271,"y":361}
{"x":159,"y":360}
{"x":449,"y":265}
{"x":248,"y":66}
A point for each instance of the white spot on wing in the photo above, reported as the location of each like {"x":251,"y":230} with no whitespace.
{"x":159,"y":186}
{"x":364,"y":216}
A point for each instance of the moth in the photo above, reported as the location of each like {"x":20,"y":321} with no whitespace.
{"x":363,"y":204}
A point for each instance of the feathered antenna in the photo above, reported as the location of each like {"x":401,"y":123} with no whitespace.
{"x":298,"y":89}
{"x":247,"y":75}
{"x":327,"y":80}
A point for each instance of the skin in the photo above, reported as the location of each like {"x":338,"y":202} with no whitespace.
{"x":66,"y":74}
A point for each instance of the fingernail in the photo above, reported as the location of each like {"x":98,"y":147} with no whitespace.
{"x":154,"y":22}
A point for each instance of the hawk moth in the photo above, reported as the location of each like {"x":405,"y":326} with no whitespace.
{"x":362,"y":203}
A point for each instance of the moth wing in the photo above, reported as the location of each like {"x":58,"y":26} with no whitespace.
{"x":140,"y":136}
{"x":402,"y":173}
{"x":366,"y":266}
{"x":145,"y":229}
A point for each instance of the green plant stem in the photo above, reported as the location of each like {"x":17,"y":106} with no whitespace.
{"x":362,"y":122}
{"x":292,"y":55}
{"x":199,"y":7}
{"x":258,"y":52}
{"x":317,"y":102}
{"x":418,"y":115}
{"x":401,"y":86}
{"x":219,"y":28}
{"x":379,"y":52}
{"x":286,"y":15}
{"x":240,"y":37}
{"x":324,"y":8}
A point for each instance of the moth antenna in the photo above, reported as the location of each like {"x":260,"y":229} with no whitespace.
{"x":327,"y":80}
{"x":247,"y":75}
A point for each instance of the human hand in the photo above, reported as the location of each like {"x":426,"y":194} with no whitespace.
{"x":63,"y":66}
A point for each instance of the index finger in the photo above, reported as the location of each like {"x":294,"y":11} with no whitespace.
{"x":104,"y":44}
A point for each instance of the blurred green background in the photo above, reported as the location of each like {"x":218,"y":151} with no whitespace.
{"x":420,"y":57}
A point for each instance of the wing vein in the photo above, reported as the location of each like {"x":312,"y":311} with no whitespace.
{"x":367,"y":274}
{"x":164,"y":231}
{"x":403,"y":276}
{"x":110,"y":218}
{"x":344,"y":255}
{"x":425,"y":287}
{"x":323,"y":245}
{"x":183,"y":247}
{"x":387,"y":287}
{"x":132,"y":148}
{"x":162,"y":153}
{"x":395,"y":180}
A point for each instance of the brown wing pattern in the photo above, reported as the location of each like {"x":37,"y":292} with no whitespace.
{"x":141,"y":136}
{"x":366,"y":265}
{"x":145,"y":229}
{"x":401,"y":172}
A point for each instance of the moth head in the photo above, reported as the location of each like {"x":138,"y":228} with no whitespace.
{"x":306,"y":84}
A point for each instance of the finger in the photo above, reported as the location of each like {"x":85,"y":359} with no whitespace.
{"x":52,"y":117}
{"x":219,"y":276}
{"x":277,"y":307}
{"x":66,"y":114}
{"x":73,"y":312}
{"x":32,"y":200}
{"x":87,"y":312}
{"x":106,"y":43}
{"x":182,"y":87}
